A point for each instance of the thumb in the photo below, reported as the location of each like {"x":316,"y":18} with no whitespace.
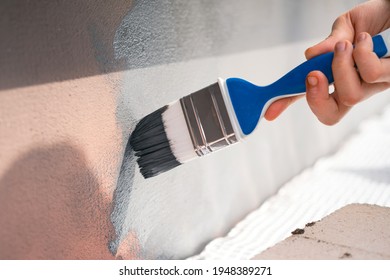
{"x":342,"y":29}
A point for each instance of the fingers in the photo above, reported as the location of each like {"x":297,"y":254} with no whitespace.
{"x":371,"y":68}
{"x":348,"y":86}
{"x":330,"y":108}
{"x":358,"y":73}
{"x":325,"y":106}
{"x":351,"y":85}
{"x":325,"y":46}
{"x":341,"y":30}
{"x":277,"y":107}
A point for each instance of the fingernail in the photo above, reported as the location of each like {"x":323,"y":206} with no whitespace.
{"x":361,"y":37}
{"x":341,"y":46}
{"x":312,"y":81}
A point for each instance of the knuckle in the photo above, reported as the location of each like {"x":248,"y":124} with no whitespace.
{"x":339,"y":20}
{"x":342,"y":60}
{"x":371,"y":75}
{"x":314,"y":101}
{"x":358,"y":53}
{"x":350,"y":99}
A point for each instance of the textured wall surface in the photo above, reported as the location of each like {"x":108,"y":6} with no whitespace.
{"x":60,"y":144}
{"x":76,"y":77}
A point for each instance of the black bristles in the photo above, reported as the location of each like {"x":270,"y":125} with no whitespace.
{"x":151,"y":145}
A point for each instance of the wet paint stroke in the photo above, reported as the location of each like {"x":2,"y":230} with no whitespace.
{"x":121,"y":198}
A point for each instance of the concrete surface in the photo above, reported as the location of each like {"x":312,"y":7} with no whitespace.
{"x":356,"y":231}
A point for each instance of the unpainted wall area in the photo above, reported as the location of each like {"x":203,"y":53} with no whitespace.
{"x":61,"y":146}
{"x":48,"y":41}
{"x":74,"y":79}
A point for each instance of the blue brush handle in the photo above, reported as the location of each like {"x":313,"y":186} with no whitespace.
{"x":251,"y":101}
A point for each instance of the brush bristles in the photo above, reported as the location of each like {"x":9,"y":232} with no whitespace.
{"x":161,"y":140}
{"x":151,"y":145}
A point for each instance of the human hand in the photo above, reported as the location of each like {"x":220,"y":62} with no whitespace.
{"x":351,"y":86}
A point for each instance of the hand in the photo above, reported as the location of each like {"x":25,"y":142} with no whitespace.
{"x":351,"y":85}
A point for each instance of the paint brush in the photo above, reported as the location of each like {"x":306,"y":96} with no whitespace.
{"x":219,"y":115}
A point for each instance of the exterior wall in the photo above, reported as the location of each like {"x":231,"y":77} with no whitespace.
{"x":61,"y":145}
{"x":76,"y":77}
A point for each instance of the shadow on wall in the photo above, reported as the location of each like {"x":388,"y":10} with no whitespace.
{"x":54,"y":40}
{"x":51,"y":208}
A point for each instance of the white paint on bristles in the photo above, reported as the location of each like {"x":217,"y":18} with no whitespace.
{"x":177,"y":133}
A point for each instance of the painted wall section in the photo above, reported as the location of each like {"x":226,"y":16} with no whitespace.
{"x":76,"y":77}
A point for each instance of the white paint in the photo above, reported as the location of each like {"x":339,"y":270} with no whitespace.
{"x":177,"y":133}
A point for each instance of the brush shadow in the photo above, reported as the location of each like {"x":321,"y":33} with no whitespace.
{"x":51,"y":207}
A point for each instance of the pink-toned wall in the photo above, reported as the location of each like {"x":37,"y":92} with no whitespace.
{"x":60,"y":144}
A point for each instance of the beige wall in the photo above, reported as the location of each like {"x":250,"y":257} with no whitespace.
{"x":60,"y":144}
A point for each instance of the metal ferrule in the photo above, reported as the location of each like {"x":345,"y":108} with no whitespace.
{"x":208,"y":120}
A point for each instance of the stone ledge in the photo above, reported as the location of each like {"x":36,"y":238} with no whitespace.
{"x":356,"y":231}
